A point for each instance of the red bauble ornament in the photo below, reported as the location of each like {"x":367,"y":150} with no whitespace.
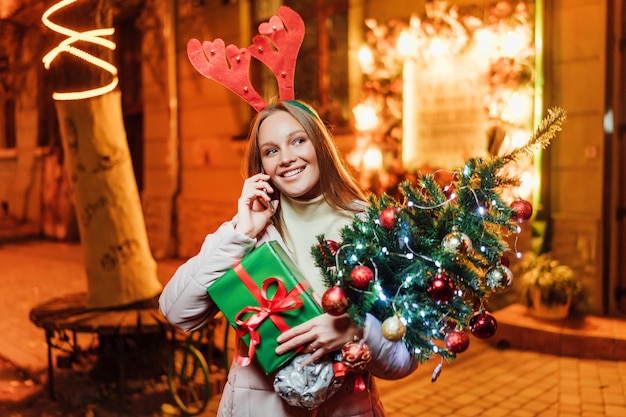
{"x":335,"y":301}
{"x":504,"y":260}
{"x":388,"y":218}
{"x":457,"y":341}
{"x":483,"y":325}
{"x":355,"y":355}
{"x":333,"y":247}
{"x":522,"y":210}
{"x":440,"y":288}
{"x":361,"y":277}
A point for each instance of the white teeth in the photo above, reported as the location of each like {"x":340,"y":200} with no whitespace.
{"x":292,"y":173}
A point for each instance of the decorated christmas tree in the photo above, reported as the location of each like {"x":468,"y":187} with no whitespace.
{"x":425,"y":266}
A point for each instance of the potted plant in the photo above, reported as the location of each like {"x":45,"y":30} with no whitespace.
{"x":547,"y":286}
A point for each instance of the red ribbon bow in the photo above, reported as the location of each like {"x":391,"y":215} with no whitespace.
{"x":268,"y":308}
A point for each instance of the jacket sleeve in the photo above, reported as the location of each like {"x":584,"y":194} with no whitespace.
{"x":390,"y":360}
{"x":184,"y":300}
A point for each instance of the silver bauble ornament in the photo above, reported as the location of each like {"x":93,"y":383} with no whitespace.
{"x":498,"y":278}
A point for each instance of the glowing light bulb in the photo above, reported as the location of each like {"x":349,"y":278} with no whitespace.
{"x":437,"y":47}
{"x":485,"y":40}
{"x":365,"y":116}
{"x":513,"y":42}
{"x":366,"y":59}
{"x":373,"y":158}
{"x":406,"y":44}
{"x":381,"y":294}
{"x":518,"y":107}
{"x":528,"y":182}
{"x":519,"y":137}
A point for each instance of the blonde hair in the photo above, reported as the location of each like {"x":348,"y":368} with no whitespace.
{"x":337,"y":183}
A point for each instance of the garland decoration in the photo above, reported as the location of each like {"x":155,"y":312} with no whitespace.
{"x":426,"y":265}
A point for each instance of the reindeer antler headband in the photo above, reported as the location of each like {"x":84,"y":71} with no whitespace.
{"x":277,"y":47}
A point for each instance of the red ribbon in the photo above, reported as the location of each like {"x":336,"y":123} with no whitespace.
{"x":341,"y":370}
{"x":268,"y":308}
{"x":359,"y":383}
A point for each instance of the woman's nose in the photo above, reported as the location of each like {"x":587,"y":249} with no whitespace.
{"x":287,"y":156}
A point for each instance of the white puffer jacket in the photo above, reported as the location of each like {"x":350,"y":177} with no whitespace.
{"x":249,"y":391}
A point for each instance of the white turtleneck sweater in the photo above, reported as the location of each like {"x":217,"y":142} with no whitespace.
{"x":302,"y":222}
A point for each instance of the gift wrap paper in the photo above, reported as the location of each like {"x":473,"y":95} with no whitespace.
{"x":262,"y":296}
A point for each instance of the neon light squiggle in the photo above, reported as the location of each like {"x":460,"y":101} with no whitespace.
{"x":93,"y":36}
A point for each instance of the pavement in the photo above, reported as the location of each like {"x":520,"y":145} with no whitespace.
{"x":483,"y":381}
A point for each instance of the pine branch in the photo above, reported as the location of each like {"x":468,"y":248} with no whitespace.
{"x":545,"y":132}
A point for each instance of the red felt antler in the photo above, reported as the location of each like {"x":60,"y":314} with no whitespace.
{"x":230,"y":66}
{"x":282,"y":54}
{"x":209,"y":59}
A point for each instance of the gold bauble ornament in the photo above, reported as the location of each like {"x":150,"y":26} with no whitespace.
{"x":393,"y":329}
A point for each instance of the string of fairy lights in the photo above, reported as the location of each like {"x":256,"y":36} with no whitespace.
{"x":95,"y":36}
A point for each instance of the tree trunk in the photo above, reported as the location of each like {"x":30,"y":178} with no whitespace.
{"x":119,"y":265}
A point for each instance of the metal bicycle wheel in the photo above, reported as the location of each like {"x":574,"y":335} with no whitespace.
{"x":229,"y":348}
{"x":188,"y":379}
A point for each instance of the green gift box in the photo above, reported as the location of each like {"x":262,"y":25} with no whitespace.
{"x":262,"y":296}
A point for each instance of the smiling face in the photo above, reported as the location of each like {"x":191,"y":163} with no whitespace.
{"x":288,"y":156}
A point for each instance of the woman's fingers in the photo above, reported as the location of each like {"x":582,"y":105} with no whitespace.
{"x":255,"y":207}
{"x":319,"y":332}
{"x":257,"y":190}
{"x":321,"y":335}
{"x":294,"y":338}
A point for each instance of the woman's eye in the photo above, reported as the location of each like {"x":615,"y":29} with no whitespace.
{"x":298,"y":141}
{"x":270,"y":151}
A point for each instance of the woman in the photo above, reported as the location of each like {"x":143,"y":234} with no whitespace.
{"x":297,"y":188}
